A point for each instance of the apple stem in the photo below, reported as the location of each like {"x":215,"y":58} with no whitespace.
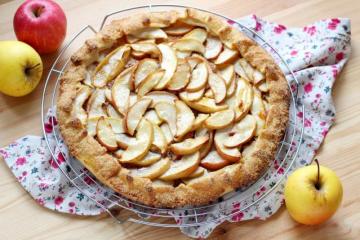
{"x":28,"y":69}
{"x":317,"y":184}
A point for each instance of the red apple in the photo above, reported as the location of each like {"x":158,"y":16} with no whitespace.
{"x":41,"y":24}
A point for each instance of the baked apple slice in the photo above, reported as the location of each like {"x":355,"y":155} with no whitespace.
{"x":190,"y":45}
{"x":117,"y":124}
{"x":226,"y":56}
{"x":258,"y":76}
{"x":146,"y":48}
{"x":242,"y":132}
{"x":197,"y":173}
{"x":231,"y":88}
{"x":135,"y":114}
{"x":150,"y":33}
{"x":161,"y":96}
{"x":95,"y":104}
{"x":199,"y":77}
{"x":167,"y":112}
{"x":111,"y":66}
{"x":213,"y":161}
{"x":112,"y":112}
{"x":167,"y":133}
{"x":120,"y":95}
{"x":218,"y":87}
{"x":178,"y":29}
{"x":240,"y":70}
{"x":259,"y":112}
{"x":184,"y":118}
{"x":105,"y":134}
{"x":199,"y":120}
{"x":263,"y":86}
{"x":204,"y":105}
{"x":159,"y":143}
{"x":126,"y":77}
{"x":149,"y":159}
{"x":91,"y":126}
{"x":168,"y":63}
{"x":182,"y":54}
{"x":229,"y":154}
{"x":153,"y":171}
{"x":204,"y":150}
{"x":153,"y":117}
{"x":213,"y":47}
{"x":144,"y":138}
{"x":194,"y":96}
{"x":181,"y":76}
{"x":220,"y":119}
{"x":189,"y":145}
{"x":182,"y":168}
{"x":124,"y":141}
{"x":197,"y":34}
{"x":209,"y":93}
{"x":78,"y":111}
{"x":228,"y":74}
{"x":249,"y":70}
{"x":150,"y":82}
{"x":144,"y":68}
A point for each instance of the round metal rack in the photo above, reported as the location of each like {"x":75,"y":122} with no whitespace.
{"x":195,"y":216}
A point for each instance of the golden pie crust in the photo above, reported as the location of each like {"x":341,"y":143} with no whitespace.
{"x":203,"y":190}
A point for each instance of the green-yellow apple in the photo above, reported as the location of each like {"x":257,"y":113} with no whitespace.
{"x":20,"y":68}
{"x":313,"y":194}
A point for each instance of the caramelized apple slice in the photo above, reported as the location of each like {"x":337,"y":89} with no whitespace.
{"x":228,"y":74}
{"x":161,"y":96}
{"x":150,"y":82}
{"x":218,"y":87}
{"x":213,"y":161}
{"x":135,"y":114}
{"x":197,"y":34}
{"x":144,"y":137}
{"x":241,"y":71}
{"x":124,"y":141}
{"x":146,"y":48}
{"x":213,"y":47}
{"x":120,"y":95}
{"x":145,"y":67}
{"x":150,"y":33}
{"x":112,"y":112}
{"x":78,"y":111}
{"x":229,"y":154}
{"x":111,"y":66}
{"x":178,"y":29}
{"x":153,"y":117}
{"x":159,"y":144}
{"x":194,"y":96}
{"x":169,"y":63}
{"x":153,"y":171}
{"x":204,"y":105}
{"x":189,"y":44}
{"x":182,"y":168}
{"x":91,"y":126}
{"x":189,"y":145}
{"x":181,"y":76}
{"x":105,"y":134}
{"x":242,"y":132}
{"x":167,"y":112}
{"x":167,"y":133}
{"x":226,"y":56}
{"x":199,"y":120}
{"x":184,"y":118}
{"x":220,"y":119}
{"x":95,"y":104}
{"x":259,"y":112}
{"x":199,"y":77}
{"x":149,"y":159}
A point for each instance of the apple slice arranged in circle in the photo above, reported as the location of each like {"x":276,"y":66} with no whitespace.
{"x":199,"y":77}
{"x":197,"y":34}
{"x":213,"y":47}
{"x":149,"y":159}
{"x":213,"y":161}
{"x":220,"y":119}
{"x":150,"y":82}
{"x":230,"y":154}
{"x":159,"y":144}
{"x":167,"y":112}
{"x":168,"y":63}
{"x":182,"y":168}
{"x":184,"y":118}
{"x":144,"y":68}
{"x":144,"y":138}
{"x":188,"y":146}
{"x":161,"y":96}
{"x":242,"y":132}
{"x":78,"y":111}
{"x":218,"y":87}
{"x":178,"y":29}
{"x":150,"y":33}
{"x":181,"y":76}
{"x":188,"y":44}
{"x":153,"y":171}
{"x":135,"y":114}
{"x":105,"y":134}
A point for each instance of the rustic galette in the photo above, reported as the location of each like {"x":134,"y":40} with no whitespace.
{"x":173,"y":108}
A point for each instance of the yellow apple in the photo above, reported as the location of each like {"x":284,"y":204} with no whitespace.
{"x":313,"y":194}
{"x":20,"y":68}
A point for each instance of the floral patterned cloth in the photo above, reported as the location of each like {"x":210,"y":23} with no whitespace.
{"x":316,"y":54}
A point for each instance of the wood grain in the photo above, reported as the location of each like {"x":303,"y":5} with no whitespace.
{"x":22,"y":218}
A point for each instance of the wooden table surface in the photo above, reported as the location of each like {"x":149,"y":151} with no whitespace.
{"x":22,"y":218}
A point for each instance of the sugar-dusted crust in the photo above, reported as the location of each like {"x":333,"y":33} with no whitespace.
{"x":202,"y":190}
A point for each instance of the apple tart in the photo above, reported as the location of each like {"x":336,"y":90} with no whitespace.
{"x":173,"y":108}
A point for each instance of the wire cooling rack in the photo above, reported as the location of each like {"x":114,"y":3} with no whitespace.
{"x":162,"y":217}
